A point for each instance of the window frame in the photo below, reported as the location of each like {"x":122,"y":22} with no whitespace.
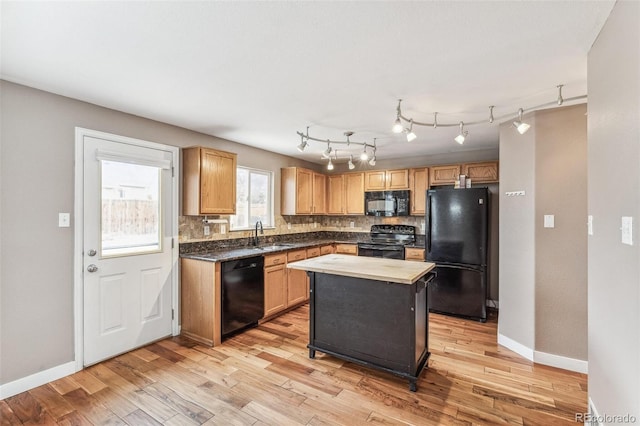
{"x":270,"y":198}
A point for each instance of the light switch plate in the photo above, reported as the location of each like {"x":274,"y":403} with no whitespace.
{"x":590,"y":225}
{"x":549,"y":221}
{"x":627,"y":230}
{"x":64,"y":220}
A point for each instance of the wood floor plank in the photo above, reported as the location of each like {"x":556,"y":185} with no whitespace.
{"x":139,"y":418}
{"x":51,"y":401}
{"x":7,"y":416}
{"x":91,"y":409}
{"x":26,"y":408}
{"x":178,"y":403}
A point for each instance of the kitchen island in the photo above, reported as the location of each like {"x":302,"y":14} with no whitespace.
{"x":370,"y":311}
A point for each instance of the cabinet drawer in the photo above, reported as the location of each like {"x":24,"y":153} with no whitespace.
{"x":294,"y":255}
{"x":275,"y":259}
{"x":313,"y":252}
{"x":414,"y":254}
{"x":347,"y":249}
{"x":326,"y":249}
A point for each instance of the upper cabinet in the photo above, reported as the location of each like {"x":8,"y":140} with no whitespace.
{"x":485,"y":172}
{"x":418,"y":185}
{"x":209,"y":181}
{"x":381,"y":180}
{"x":444,"y":175}
{"x":303,"y":192}
{"x":345,"y":194}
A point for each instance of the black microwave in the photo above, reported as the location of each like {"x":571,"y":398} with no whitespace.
{"x":386,"y":203}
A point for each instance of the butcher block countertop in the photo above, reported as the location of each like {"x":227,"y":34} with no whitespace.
{"x":373,"y":268}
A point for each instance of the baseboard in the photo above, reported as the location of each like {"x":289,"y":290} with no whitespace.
{"x":493,"y":304}
{"x":563,"y":362}
{"x":518,"y":348}
{"x":37,"y":379}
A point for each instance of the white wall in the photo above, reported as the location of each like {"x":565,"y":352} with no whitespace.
{"x":614,"y":191}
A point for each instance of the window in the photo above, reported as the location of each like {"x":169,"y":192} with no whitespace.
{"x":254,"y":198}
{"x":130,"y":219}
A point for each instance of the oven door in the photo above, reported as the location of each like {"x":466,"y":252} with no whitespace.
{"x":379,"y":250}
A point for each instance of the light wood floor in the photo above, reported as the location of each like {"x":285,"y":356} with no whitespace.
{"x":264,"y":376}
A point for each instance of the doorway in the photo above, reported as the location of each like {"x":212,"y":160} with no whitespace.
{"x":125,"y":244}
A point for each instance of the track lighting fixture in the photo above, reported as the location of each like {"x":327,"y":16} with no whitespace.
{"x":520,"y":125}
{"x":397,"y":126}
{"x":462,"y":135}
{"x":303,"y":144}
{"x":330,"y":165}
{"x":327,"y":152}
{"x":351,"y":165}
{"x":410,"y":135}
{"x":372,"y":161}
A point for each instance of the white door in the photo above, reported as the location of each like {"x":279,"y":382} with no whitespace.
{"x":127,"y":246}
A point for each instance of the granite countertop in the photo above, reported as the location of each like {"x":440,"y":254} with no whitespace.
{"x":373,"y":268}
{"x":225,"y":254}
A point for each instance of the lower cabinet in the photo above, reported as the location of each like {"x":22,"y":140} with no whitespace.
{"x":275,"y":284}
{"x":296,"y":280}
{"x":200,"y":301}
{"x":347,"y":249}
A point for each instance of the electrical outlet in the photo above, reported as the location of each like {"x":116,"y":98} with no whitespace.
{"x":207,"y":230}
{"x":315,"y":224}
{"x":223,"y":229}
{"x":289,"y":225}
{"x":352,"y":224}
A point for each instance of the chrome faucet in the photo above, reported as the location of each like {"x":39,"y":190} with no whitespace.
{"x":255,"y":238}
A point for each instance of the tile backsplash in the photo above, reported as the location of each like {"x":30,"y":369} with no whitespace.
{"x":191,"y":228}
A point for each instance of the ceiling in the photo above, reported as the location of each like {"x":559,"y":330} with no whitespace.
{"x":258,"y":72}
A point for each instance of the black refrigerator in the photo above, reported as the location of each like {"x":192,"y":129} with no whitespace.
{"x":456,"y":241}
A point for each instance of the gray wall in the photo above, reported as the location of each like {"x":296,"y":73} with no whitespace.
{"x":561,"y":252}
{"x":517,"y":234}
{"x":543,"y":294}
{"x":37,"y":175}
{"x":614,"y":191}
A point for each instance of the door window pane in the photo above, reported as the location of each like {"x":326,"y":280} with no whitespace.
{"x":130,"y":220}
{"x":254,"y":198}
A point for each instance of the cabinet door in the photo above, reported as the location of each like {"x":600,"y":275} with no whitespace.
{"x":418,"y":185}
{"x":304,"y":191}
{"x":444,"y":175}
{"x":326,"y":249}
{"x":275,"y":289}
{"x":415,"y":254}
{"x":335,"y":197}
{"x":209,"y":181}
{"x":354,"y":193}
{"x":296,"y":287}
{"x":218,"y":182}
{"x":319,"y":193}
{"x":397,"y":179}
{"x":485,"y":172}
{"x":375,"y":180}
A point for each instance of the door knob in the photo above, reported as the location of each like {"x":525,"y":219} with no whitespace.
{"x":92,"y":268}
{"x":92,"y":252}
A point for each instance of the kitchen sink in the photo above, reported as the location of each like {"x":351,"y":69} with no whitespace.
{"x":276,"y":246}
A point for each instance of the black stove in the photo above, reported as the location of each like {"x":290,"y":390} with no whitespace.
{"x":388,"y":241}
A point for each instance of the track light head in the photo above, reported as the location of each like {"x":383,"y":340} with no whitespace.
{"x":351,"y":165}
{"x":327,"y":152}
{"x":302,"y":146}
{"x":364,"y":156}
{"x":372,"y":162}
{"x":330,"y":165}
{"x":462,"y":135}
{"x":410,"y":135}
{"x":520,"y":125}
{"x":397,"y":126}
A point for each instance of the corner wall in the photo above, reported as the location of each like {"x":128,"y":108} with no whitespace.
{"x":614,"y":191}
{"x":543,"y":285}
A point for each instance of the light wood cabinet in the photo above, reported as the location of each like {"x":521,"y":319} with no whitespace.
{"x":414,"y":254}
{"x":485,"y":172}
{"x":313,"y":252}
{"x":303,"y":192}
{"x":296,"y":280}
{"x":275,"y":284}
{"x":347,"y":249}
{"x":381,"y":180}
{"x":328,"y":249}
{"x":200,"y":298}
{"x":335,"y":194}
{"x":354,"y":193}
{"x":444,"y":175}
{"x":418,"y":185}
{"x":209,"y":181}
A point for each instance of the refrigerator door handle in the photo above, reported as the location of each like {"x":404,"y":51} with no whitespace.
{"x":429,"y":223}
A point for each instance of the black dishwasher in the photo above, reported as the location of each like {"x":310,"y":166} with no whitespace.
{"x":242,"y":294}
